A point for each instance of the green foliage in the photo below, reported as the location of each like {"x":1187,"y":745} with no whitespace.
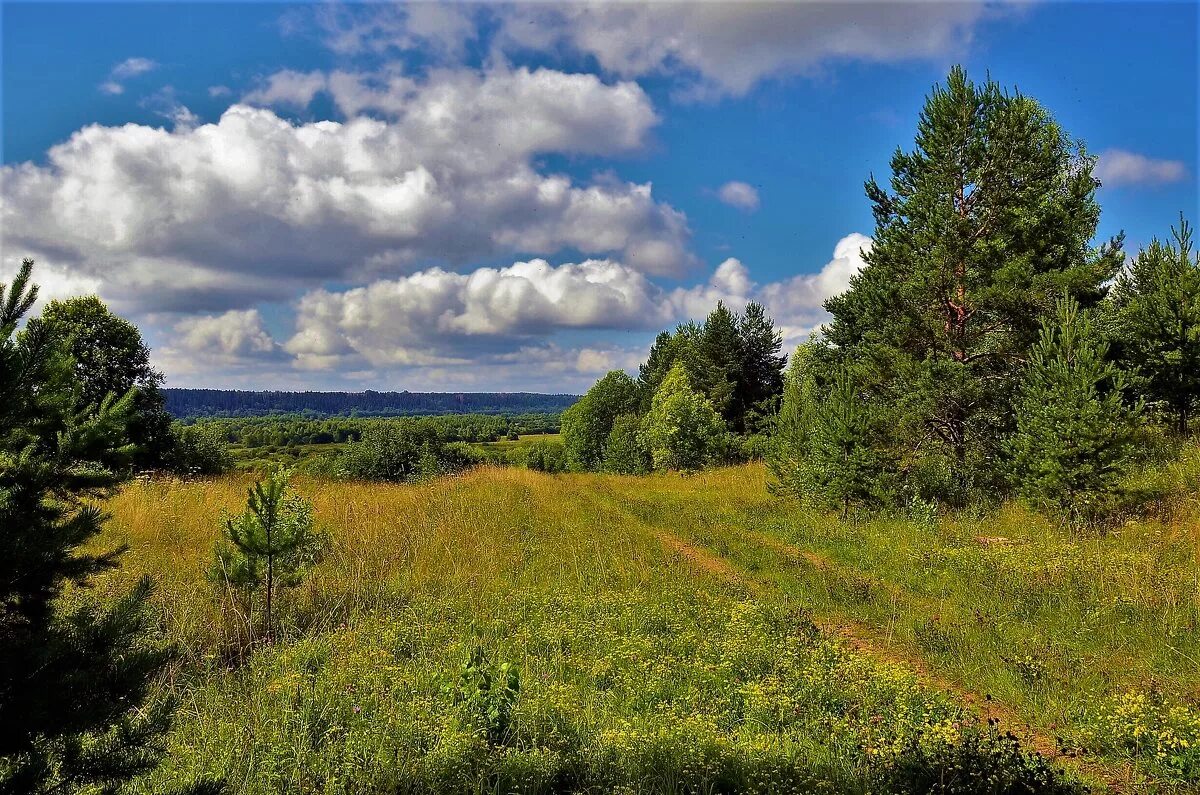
{"x":270,"y":545}
{"x":1074,"y":432}
{"x":973,"y":763}
{"x":624,"y":452}
{"x":488,"y":693}
{"x":1147,"y":726}
{"x":732,"y":360}
{"x":587,"y":424}
{"x":788,"y":452}
{"x":1156,"y":324}
{"x":681,"y":430}
{"x":74,"y":678}
{"x":760,"y":373}
{"x":845,"y":460}
{"x":110,"y":358}
{"x":199,"y":450}
{"x":541,"y":456}
{"x":720,"y":350}
{"x":400,"y":453}
{"x":988,"y":219}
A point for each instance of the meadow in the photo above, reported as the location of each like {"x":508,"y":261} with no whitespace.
{"x":506,"y":630}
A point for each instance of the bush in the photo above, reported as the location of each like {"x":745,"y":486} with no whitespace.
{"x":625,"y":454}
{"x":401,"y":453}
{"x":199,"y":450}
{"x":975,"y":762}
{"x":541,"y":456}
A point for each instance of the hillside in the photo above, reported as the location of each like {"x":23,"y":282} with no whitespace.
{"x":676,"y":634}
{"x":194,"y":403}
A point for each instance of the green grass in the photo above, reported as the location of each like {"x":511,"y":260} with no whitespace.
{"x":662,"y":629}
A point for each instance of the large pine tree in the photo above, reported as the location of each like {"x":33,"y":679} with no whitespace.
{"x":987,"y":220}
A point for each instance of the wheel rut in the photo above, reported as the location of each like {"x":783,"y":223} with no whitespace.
{"x":866,"y":640}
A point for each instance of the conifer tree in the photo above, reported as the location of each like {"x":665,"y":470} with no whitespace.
{"x":760,"y":376}
{"x":720,"y":347}
{"x":1073,"y":430}
{"x":789,"y":447}
{"x":682,"y":430}
{"x":845,"y":460}
{"x":1157,"y":323}
{"x":74,"y":678}
{"x":271,"y":545}
{"x":988,"y":219}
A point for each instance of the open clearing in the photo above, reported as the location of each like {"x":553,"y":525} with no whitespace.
{"x":666,"y":629}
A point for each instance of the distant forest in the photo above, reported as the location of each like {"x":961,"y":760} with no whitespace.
{"x":194,"y":403}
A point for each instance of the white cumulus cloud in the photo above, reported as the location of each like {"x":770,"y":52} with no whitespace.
{"x":437,"y":318}
{"x":253,"y":207}
{"x":726,"y":48}
{"x":740,"y":195}
{"x":1121,"y":167}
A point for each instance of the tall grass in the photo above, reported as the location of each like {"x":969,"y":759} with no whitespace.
{"x":641,"y":671}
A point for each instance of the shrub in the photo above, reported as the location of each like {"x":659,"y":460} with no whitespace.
{"x":624,"y":453}
{"x":542,"y":456}
{"x":401,"y":453}
{"x":199,"y":450}
{"x":681,"y":430}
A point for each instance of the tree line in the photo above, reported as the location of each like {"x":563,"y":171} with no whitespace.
{"x":195,"y":403}
{"x":291,"y":430}
{"x":703,"y":395}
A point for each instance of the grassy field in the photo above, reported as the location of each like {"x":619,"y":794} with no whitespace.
{"x":675,"y":634}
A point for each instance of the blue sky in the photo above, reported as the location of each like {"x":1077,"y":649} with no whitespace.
{"x":543,"y":187}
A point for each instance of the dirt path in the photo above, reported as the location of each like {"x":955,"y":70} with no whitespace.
{"x":866,"y":640}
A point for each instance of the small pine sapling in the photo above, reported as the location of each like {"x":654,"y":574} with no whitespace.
{"x":272,"y":544}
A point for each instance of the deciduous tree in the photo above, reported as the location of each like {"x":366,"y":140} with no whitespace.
{"x":682,"y":430}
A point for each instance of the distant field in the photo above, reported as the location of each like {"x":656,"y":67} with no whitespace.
{"x":666,"y":630}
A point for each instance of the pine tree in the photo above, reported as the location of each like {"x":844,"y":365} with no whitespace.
{"x":844,"y":460}
{"x":272,"y":544}
{"x":74,"y":678}
{"x":789,"y":445}
{"x":760,"y":376}
{"x":682,"y":430}
{"x":988,"y":219}
{"x":1073,"y":430}
{"x":1156,"y":302}
{"x":720,"y":347}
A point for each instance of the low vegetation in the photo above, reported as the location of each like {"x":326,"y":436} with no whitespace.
{"x":665,"y":634}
